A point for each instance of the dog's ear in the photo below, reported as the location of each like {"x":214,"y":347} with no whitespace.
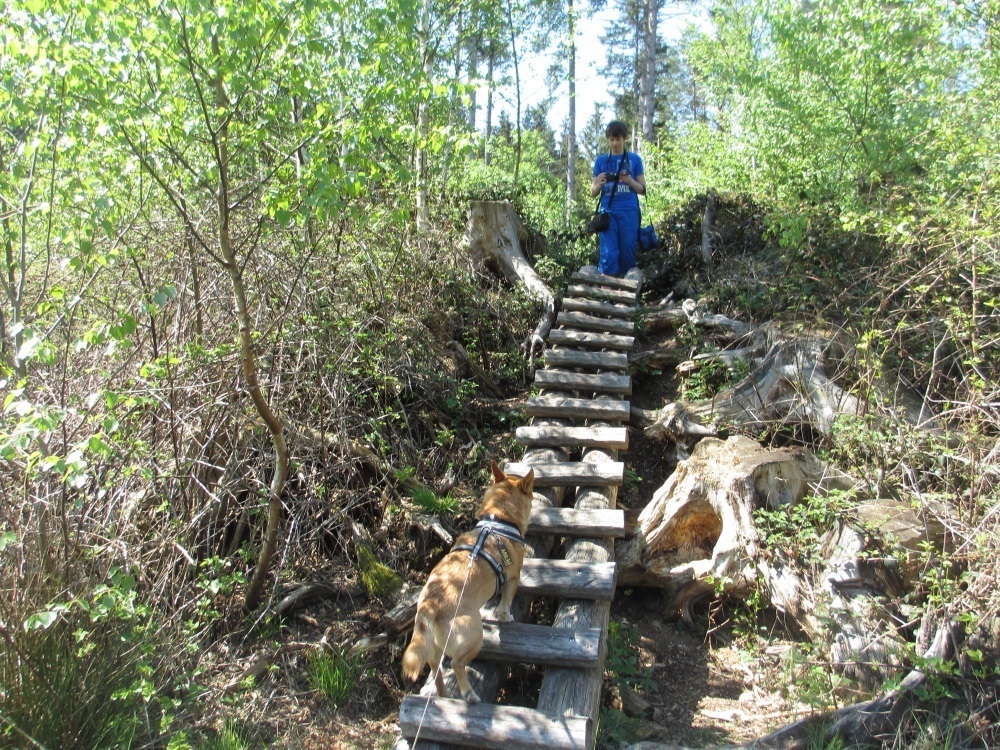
{"x":527,"y":483}
{"x":498,"y":475}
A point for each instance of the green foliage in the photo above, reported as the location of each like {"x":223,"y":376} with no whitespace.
{"x":539,"y":196}
{"x":799,"y":529}
{"x":615,"y":729}
{"x":707,"y":380}
{"x":623,"y":657}
{"x":379,"y":579}
{"x":230,"y":737}
{"x":75,"y":681}
{"x":431,"y":502}
{"x":811,"y":678}
{"x":334,"y":674}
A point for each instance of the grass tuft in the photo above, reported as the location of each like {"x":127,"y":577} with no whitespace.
{"x":431,"y":502}
{"x":334,"y":674}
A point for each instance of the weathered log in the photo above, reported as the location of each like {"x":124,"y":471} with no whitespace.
{"x":690,"y":311}
{"x":494,"y":234}
{"x":697,"y":534}
{"x":789,"y":386}
{"x":862,"y":724}
{"x":839,"y":605}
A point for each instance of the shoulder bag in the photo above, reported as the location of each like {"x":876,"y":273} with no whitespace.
{"x":601,"y":220}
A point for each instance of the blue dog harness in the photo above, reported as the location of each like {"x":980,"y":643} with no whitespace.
{"x":502,"y":530}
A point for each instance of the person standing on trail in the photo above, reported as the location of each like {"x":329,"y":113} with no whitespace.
{"x":620,"y":240}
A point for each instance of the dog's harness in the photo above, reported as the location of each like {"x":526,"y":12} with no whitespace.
{"x":502,"y":530}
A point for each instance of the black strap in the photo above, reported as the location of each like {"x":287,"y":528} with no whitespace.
{"x":492,"y":525}
{"x":614,"y":183}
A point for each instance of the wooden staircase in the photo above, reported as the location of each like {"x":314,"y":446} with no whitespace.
{"x":576,"y":431}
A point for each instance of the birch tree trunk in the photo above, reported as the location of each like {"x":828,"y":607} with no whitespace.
{"x":489,"y":104}
{"x":473,"y":75}
{"x":647,"y":82}
{"x":571,"y":130}
{"x":517,"y":91}
{"x":423,"y":119}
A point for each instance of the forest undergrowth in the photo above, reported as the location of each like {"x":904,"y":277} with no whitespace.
{"x":125,"y":555}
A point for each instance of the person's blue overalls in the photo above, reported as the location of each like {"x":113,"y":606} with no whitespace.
{"x":619,"y":242}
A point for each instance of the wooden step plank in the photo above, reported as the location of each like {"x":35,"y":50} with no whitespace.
{"x":572,"y":473}
{"x":584,"y":322}
{"x":586,"y":382}
{"x":525,"y":643}
{"x":594,"y":292}
{"x":492,"y":727}
{"x":586,"y":360}
{"x":593,"y":277}
{"x":541,"y":577}
{"x":576,"y":304}
{"x":586,"y":340}
{"x":554,"y":405}
{"x":576,"y":522}
{"x":608,"y":438}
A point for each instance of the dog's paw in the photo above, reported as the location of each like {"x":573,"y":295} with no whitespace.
{"x":471,"y":696}
{"x":503,"y":615}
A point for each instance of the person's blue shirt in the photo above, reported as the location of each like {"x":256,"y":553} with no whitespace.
{"x":619,"y":242}
{"x":627,"y":199}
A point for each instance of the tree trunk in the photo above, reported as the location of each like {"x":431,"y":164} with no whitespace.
{"x":489,"y":104}
{"x":494,"y":234}
{"x":517,"y":93}
{"x":423,"y":120}
{"x":647,"y":83}
{"x":473,"y":75}
{"x":270,"y":541}
{"x":697,"y":534}
{"x":708,"y":229}
{"x":571,"y":125}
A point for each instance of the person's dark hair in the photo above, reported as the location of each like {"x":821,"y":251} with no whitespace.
{"x":616,"y":128}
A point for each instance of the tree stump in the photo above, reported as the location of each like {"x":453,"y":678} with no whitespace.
{"x":789,"y":386}
{"x":697,"y":534}
{"x":493,"y":236}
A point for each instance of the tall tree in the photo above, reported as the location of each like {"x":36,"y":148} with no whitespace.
{"x":648,"y":68}
{"x":571,"y":150}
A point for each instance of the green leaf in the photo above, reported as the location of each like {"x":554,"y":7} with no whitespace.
{"x":7,"y":539}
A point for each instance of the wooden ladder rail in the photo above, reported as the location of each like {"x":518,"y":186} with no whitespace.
{"x":568,"y":704}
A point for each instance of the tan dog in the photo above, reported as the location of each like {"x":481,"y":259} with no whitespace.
{"x":483,"y":561}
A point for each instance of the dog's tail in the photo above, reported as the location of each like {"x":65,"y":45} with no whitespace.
{"x":418,"y":652}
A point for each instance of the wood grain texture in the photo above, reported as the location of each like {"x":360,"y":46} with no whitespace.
{"x":492,"y":727}
{"x":584,"y":382}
